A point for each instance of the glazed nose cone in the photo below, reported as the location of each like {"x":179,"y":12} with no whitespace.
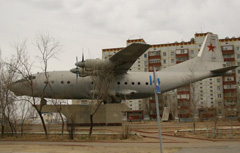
{"x":17,"y":87}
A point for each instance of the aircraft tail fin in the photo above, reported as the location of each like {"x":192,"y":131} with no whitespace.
{"x":211,"y":50}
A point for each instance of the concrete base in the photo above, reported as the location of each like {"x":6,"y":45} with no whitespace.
{"x":109,"y":114}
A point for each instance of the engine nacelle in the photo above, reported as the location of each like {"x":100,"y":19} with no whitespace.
{"x":83,"y":72}
{"x":93,"y":64}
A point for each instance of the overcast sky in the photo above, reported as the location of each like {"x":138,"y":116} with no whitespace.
{"x":93,"y":25}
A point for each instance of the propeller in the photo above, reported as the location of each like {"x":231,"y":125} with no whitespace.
{"x":77,"y":69}
{"x":79,"y":65}
{"x":83,"y":63}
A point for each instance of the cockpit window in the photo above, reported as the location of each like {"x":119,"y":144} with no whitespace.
{"x":31,"y":77}
{"x":21,"y":80}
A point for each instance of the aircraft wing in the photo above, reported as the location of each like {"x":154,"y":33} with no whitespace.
{"x":125,"y":58}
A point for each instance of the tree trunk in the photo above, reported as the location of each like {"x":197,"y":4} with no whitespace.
{"x":91,"y":125}
{"x":91,"y":119}
{"x":21,"y":129}
{"x":62,"y":125}
{"x":43,"y":123}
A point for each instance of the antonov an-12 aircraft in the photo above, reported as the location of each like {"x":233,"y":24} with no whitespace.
{"x":127,"y":85}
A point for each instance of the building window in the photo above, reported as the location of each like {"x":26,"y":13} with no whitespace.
{"x":145,"y":55}
{"x":172,"y":61}
{"x":164,"y":61}
{"x":164,"y":54}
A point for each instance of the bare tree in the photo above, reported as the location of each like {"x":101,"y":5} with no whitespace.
{"x":193,"y":98}
{"x":48,"y":48}
{"x":100,"y":91}
{"x":58,"y":103}
{"x":23,"y":111}
{"x":23,"y":68}
{"x":7,"y":76}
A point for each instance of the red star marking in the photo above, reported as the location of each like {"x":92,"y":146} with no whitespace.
{"x":211,"y":47}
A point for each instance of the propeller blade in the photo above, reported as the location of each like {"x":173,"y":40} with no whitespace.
{"x":83,"y":57}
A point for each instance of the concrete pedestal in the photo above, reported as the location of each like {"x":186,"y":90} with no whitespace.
{"x":109,"y":114}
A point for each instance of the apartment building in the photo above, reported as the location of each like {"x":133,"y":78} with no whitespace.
{"x":219,"y":94}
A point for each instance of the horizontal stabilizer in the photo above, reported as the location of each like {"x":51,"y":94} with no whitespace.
{"x":223,"y":70}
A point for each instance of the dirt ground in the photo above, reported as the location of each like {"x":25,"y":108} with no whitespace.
{"x":144,"y":139}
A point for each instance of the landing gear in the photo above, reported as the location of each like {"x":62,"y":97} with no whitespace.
{"x":43,"y":102}
{"x":112,"y":99}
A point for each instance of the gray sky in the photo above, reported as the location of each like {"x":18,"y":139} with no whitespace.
{"x":93,"y":25}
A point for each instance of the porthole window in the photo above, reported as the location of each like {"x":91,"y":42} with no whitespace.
{"x":52,"y":81}
{"x":132,"y":83}
{"x":68,"y":82}
{"x":146,"y":83}
{"x":118,"y":83}
{"x":139,"y":83}
{"x":62,"y":82}
{"x":125,"y":83}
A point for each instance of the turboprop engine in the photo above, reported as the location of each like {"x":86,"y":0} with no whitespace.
{"x":90,"y":67}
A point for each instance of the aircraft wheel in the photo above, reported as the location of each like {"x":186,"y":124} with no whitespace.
{"x":117,"y":99}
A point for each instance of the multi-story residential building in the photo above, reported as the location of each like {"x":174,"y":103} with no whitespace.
{"x":220,"y":93}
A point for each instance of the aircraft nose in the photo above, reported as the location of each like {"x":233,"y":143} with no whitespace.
{"x":16,"y":88}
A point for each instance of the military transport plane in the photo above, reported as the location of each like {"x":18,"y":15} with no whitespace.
{"x":127,"y":85}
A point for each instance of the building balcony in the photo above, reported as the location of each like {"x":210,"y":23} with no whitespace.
{"x":233,"y":98}
{"x":182,"y":55}
{"x":154,"y":64}
{"x":183,"y":92}
{"x":229,"y":90}
{"x":224,"y":52}
{"x":229,"y":82}
{"x":154,"y":57}
{"x":228,"y":59}
{"x":183,"y":100}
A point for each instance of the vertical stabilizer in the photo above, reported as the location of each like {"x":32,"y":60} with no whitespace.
{"x":211,"y":50}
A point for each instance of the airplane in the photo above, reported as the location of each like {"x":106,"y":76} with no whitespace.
{"x":78,"y":83}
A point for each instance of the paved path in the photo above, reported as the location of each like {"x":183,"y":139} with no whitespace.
{"x":195,"y":146}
